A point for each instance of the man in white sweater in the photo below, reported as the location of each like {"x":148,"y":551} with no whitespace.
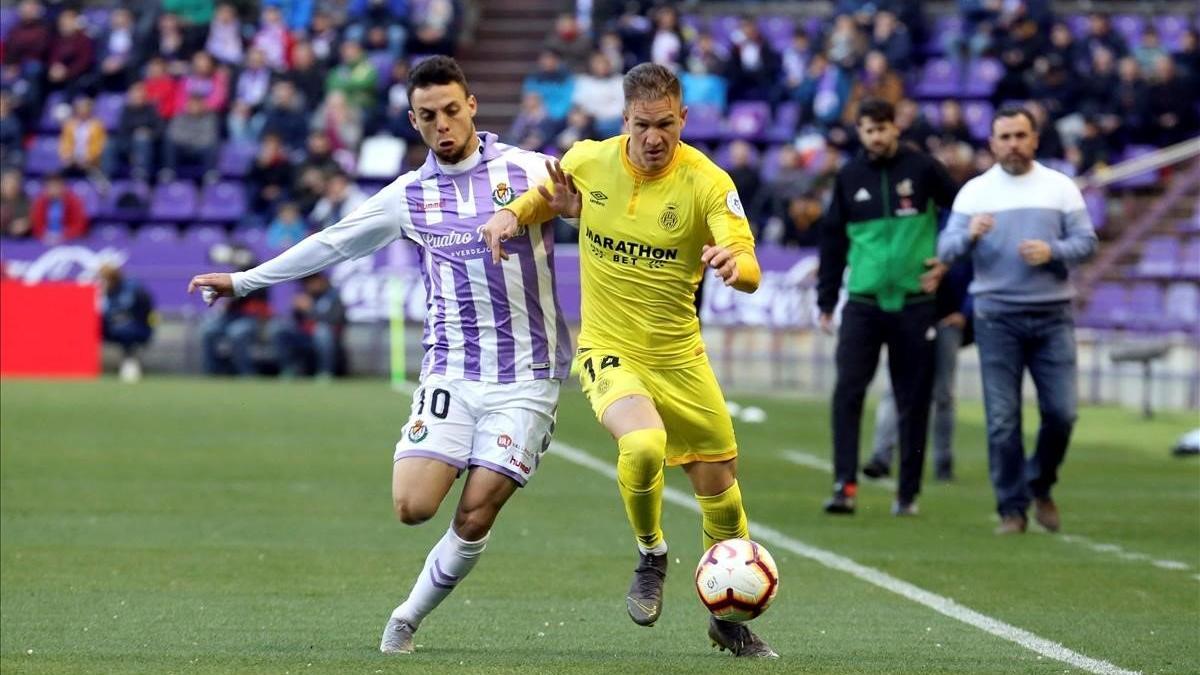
{"x":1025,"y":226}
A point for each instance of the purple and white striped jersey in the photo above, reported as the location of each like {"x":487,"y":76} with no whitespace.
{"x":485,"y":322}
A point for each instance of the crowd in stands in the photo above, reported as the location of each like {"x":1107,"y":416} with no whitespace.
{"x":1098,"y":93}
{"x":285,"y":99}
{"x":102,"y":107}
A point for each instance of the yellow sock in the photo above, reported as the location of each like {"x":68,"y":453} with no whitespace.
{"x":640,"y":478}
{"x":723,"y":517}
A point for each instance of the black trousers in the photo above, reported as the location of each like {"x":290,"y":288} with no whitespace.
{"x":910,"y":338}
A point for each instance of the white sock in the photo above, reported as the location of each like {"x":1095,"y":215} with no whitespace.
{"x":448,"y":563}
{"x":661,"y":549}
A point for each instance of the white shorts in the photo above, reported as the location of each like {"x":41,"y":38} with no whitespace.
{"x":502,"y":427}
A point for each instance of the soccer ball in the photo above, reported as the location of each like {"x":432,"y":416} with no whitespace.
{"x":737,"y":579}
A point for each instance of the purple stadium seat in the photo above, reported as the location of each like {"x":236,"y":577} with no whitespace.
{"x":940,"y":78}
{"x":383,"y":65}
{"x":1170,"y":31}
{"x":121,"y":202}
{"x":932,"y":112}
{"x":33,"y":188}
{"x":1189,"y":259}
{"x":723,"y":28}
{"x":234,"y":159}
{"x":722,"y":156}
{"x":1107,"y":308}
{"x":251,"y":236}
{"x":8,"y":19}
{"x":96,"y":19}
{"x":1191,"y":224}
{"x":157,"y":235}
{"x":1183,"y":306}
{"x":1097,"y":207}
{"x":1078,"y":24}
{"x":692,"y":24}
{"x":813,"y":25}
{"x":89,"y":195}
{"x":1160,"y":256}
{"x":783,"y":126}
{"x":704,"y":123}
{"x":203,"y":235}
{"x":1145,"y":179}
{"x":109,"y":234}
{"x":1146,"y":310}
{"x":223,"y":202}
{"x":108,"y":109}
{"x":982,"y":76}
{"x":769,"y":165}
{"x":777,"y":30}
{"x":943,"y":27}
{"x":748,"y":120}
{"x":1060,"y":165}
{"x":50,"y":121}
{"x":42,"y":157}
{"x":1129,"y":27}
{"x":978,"y":116}
{"x":174,"y":201}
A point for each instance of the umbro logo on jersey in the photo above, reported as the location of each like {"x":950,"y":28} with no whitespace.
{"x":598,"y":198}
{"x":862,"y":195}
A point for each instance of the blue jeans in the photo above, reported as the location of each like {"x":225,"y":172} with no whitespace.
{"x":237,"y":334}
{"x":296,"y":348}
{"x":1043,"y":342}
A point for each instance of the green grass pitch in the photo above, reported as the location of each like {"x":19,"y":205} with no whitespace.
{"x":203,"y":526}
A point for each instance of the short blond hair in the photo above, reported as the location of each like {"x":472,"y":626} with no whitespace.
{"x":651,"y":82}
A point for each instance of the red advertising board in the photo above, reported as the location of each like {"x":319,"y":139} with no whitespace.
{"x":49,"y":329}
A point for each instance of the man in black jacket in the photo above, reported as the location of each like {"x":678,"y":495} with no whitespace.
{"x":882,"y":218}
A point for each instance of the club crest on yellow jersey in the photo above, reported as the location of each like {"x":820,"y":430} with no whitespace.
{"x":669,"y":218}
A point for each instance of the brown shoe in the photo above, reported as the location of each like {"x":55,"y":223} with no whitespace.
{"x":1045,"y":512}
{"x":1012,"y":524}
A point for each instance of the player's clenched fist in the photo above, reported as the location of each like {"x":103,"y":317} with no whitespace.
{"x":212,"y":286}
{"x":722,"y":261}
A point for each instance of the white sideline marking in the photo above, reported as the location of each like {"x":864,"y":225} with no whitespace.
{"x":813,"y":462}
{"x":873,"y":576}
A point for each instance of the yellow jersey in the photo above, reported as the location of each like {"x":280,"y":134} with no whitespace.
{"x":640,"y":240}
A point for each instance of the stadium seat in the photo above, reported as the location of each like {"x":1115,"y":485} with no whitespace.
{"x":42,"y":157}
{"x":723,"y":28}
{"x":982,"y":76}
{"x":1170,"y":31}
{"x":770,"y":162}
{"x":1078,"y":23}
{"x":940,"y":78}
{"x":234,"y":159}
{"x":1142,"y":180}
{"x":203,"y":236}
{"x":777,"y":30}
{"x":381,"y":157}
{"x":945,"y":26}
{"x":8,"y":19}
{"x":52,"y":117}
{"x":1189,"y":265}
{"x":783,"y":126}
{"x":157,"y":235}
{"x":1183,"y":306}
{"x":96,"y":20}
{"x":1107,"y":308}
{"x":108,"y":109}
{"x":89,"y":195}
{"x":704,"y":124}
{"x":978,"y":116}
{"x":175,"y":201}
{"x":1097,"y":207}
{"x":1160,"y":256}
{"x":223,"y":202}
{"x":748,"y":120}
{"x":1129,"y":27}
{"x":692,"y":24}
{"x":126,"y":200}
{"x":383,"y":66}
{"x":109,"y":234}
{"x":1191,"y":224}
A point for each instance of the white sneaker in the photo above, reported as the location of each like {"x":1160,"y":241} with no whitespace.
{"x":397,"y":637}
{"x":131,"y":370}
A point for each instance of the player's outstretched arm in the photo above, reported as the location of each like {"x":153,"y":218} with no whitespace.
{"x":212,"y":286}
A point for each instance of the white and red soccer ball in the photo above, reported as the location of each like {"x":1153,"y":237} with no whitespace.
{"x":737,"y":579}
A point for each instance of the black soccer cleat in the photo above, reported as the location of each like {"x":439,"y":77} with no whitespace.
{"x":738,"y":639}
{"x":876,"y":469}
{"x":644,"y":600}
{"x":842,"y":501}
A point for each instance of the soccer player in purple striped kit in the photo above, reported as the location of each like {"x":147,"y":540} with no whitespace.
{"x":496,"y":345}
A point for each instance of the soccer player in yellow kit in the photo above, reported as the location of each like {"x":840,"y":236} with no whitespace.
{"x":653,"y":212}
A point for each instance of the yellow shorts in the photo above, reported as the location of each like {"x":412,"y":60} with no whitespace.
{"x":689,"y":401}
